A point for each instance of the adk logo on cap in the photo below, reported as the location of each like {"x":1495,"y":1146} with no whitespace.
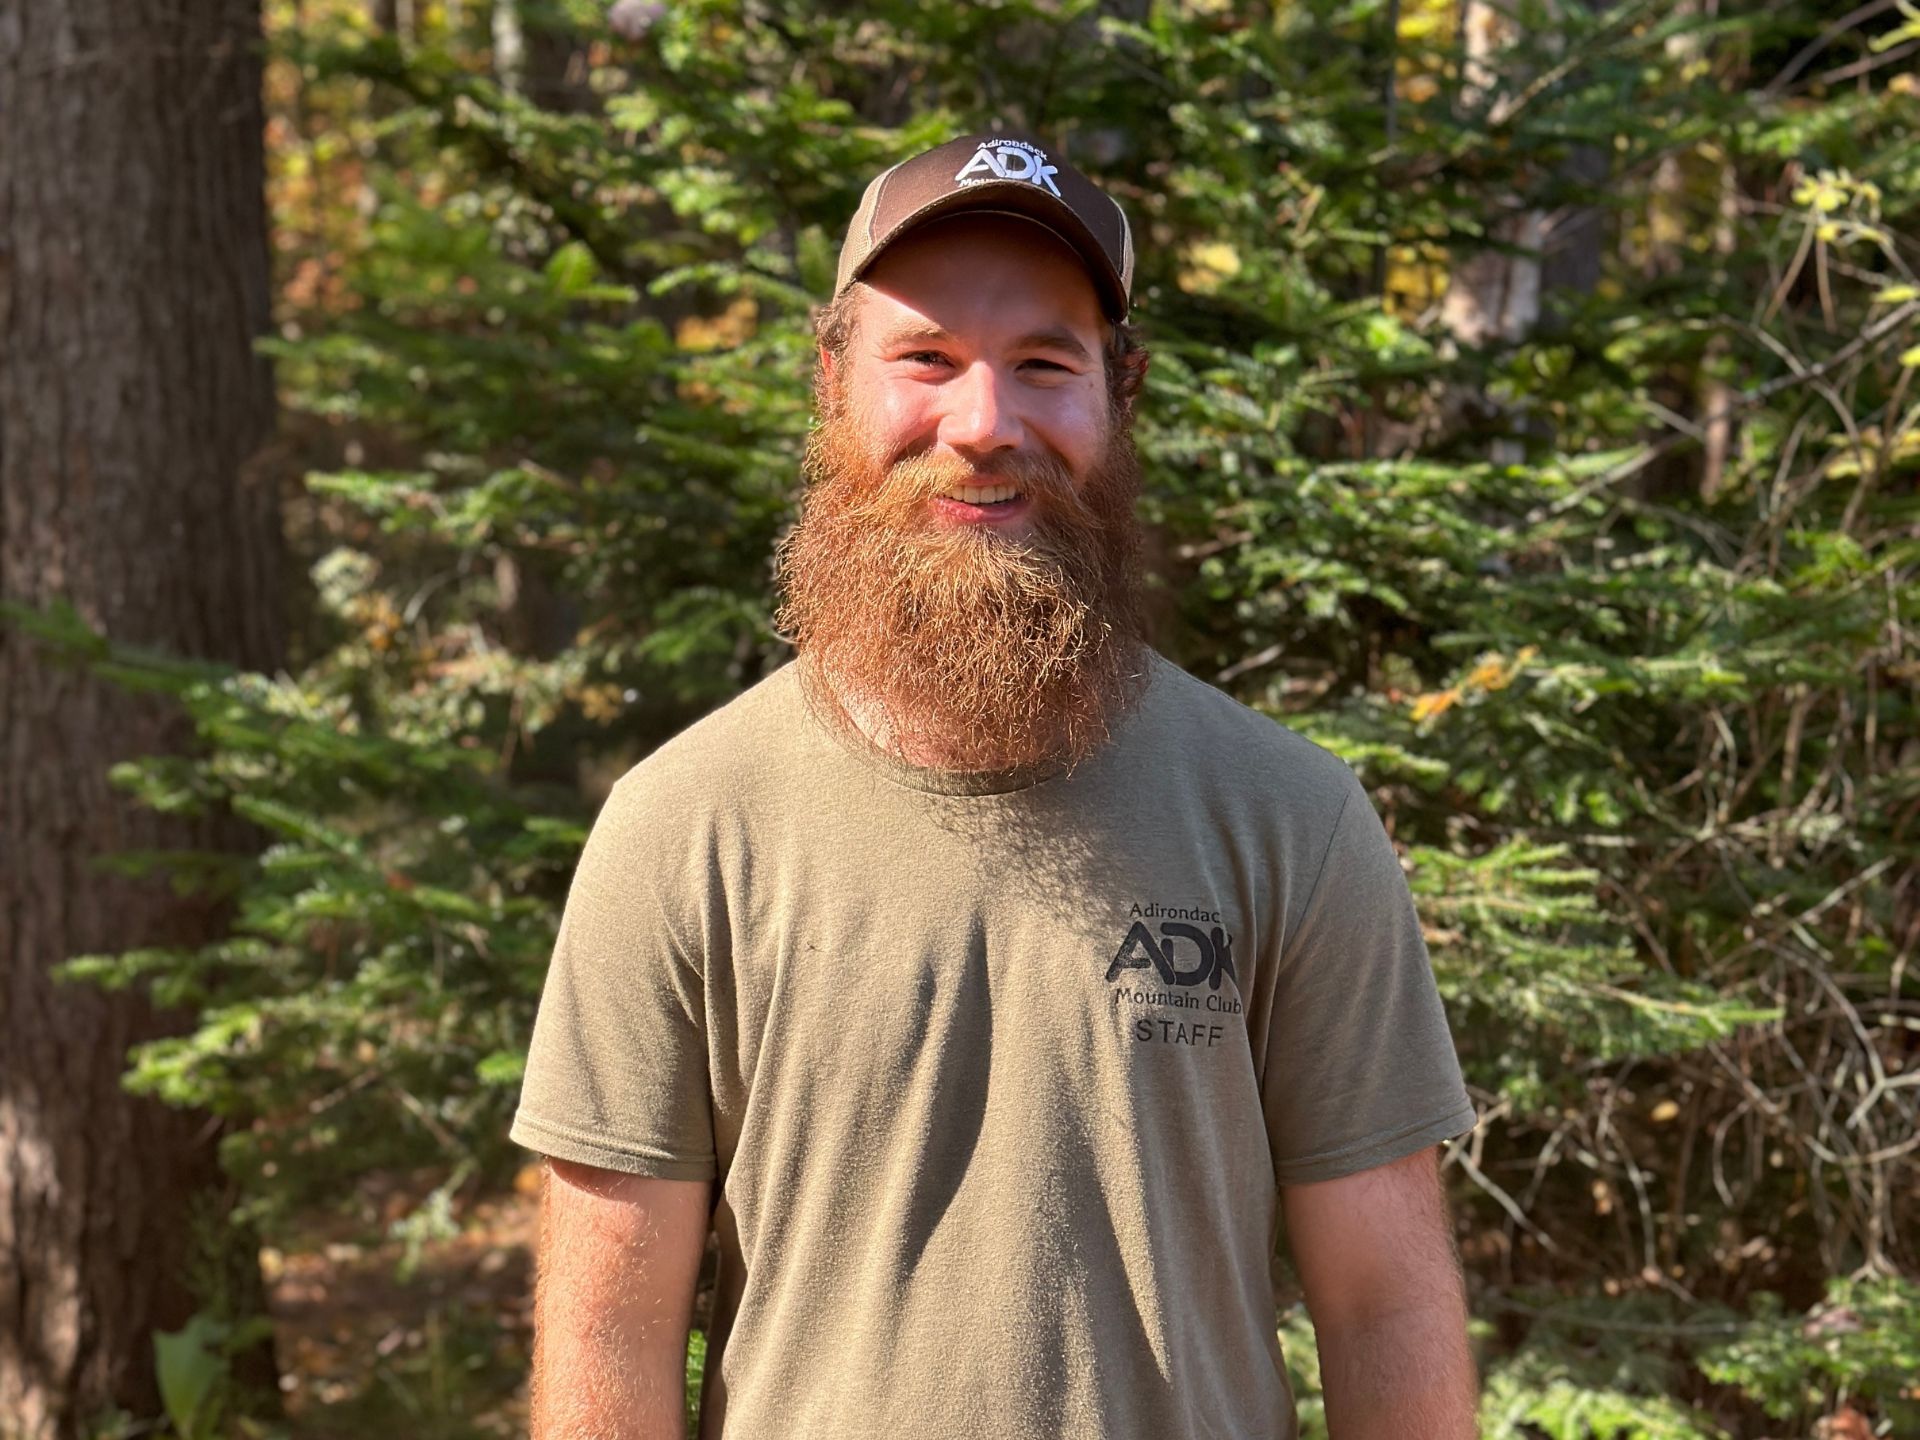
{"x":1008,"y":160}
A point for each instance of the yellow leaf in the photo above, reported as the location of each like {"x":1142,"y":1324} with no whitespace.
{"x":1486,"y":675}
{"x":1911,"y":358}
{"x":1434,"y":703}
{"x":600,"y":703}
{"x":1207,"y":266}
{"x":1664,"y":1111}
{"x":1418,"y":89}
{"x":1898,"y":294}
{"x":734,"y":326}
{"x":1417,"y":26}
{"x":1825,"y":192}
{"x":1822,"y":195}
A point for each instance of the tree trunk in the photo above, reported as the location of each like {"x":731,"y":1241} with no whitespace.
{"x":538,"y":54}
{"x":1496,"y":295}
{"x":1674,"y":212}
{"x":133,"y":284}
{"x":392,"y":17}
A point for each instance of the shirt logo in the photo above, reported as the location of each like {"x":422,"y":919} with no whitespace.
{"x":1182,"y":955}
{"x":1191,"y":950}
{"x":1008,"y":160}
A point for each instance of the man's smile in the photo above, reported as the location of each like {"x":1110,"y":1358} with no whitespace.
{"x":981,"y":504}
{"x":982,"y":494}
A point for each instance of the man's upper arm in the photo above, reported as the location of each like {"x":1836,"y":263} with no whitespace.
{"x":1373,"y":1242}
{"x":594,"y":1222}
{"x":617,"y":1075}
{"x":1358,"y":1063}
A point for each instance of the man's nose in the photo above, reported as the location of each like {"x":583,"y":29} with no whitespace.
{"x":978,"y":415}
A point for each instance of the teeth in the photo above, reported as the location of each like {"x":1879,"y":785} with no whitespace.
{"x":983,"y":494}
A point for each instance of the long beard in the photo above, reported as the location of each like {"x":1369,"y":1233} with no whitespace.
{"x":955,"y":646}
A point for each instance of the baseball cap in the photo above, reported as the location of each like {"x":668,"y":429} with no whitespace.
{"x":995,"y":174}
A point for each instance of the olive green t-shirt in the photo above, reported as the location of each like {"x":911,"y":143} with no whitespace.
{"x":996,"y":1075}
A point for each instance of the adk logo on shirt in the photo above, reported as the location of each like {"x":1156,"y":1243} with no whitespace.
{"x":1008,"y":160}
{"x":1183,"y":949}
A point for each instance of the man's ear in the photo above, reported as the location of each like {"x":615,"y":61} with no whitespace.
{"x":826,"y":364}
{"x":1133,"y":375}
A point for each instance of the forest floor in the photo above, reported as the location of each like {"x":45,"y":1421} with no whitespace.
{"x":432,"y":1345}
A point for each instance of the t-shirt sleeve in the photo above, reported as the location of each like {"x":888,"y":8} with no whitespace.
{"x":617,"y":1070}
{"x":1360,"y":1066}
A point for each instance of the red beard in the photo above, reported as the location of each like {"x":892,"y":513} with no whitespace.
{"x":958,"y":647}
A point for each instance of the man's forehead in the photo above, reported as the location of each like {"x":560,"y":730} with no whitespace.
{"x":982,"y":273}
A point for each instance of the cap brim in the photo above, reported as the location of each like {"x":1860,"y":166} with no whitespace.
{"x":1025,"y":201}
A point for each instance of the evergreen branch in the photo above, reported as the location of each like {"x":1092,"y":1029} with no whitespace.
{"x":1744,"y":400}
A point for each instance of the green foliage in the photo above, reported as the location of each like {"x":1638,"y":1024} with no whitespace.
{"x":431,"y":1221}
{"x":1598,"y":1369}
{"x":1593,"y":1369}
{"x":1860,"y":1347}
{"x":192,"y":1367}
{"x":1300,"y":1348}
{"x":1544,"y":1395}
{"x":696,"y":1375}
{"x":373,"y":998}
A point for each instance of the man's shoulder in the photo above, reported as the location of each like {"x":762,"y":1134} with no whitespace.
{"x":725,"y":750}
{"x":1197,"y":719}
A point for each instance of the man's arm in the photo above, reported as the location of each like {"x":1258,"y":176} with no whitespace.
{"x":1375,"y":1254}
{"x":619,"y":1258}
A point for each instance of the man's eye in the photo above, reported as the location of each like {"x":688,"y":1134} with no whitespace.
{"x":924,"y":357}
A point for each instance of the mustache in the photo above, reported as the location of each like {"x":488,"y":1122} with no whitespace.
{"x":906,"y":485}
{"x":943,"y":469}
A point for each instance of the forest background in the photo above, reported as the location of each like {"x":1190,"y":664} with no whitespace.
{"x":1532,"y":421}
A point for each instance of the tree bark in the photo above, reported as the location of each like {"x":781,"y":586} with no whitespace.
{"x":392,"y":17}
{"x":1673,"y":211}
{"x":1496,"y":296}
{"x":538,"y":54}
{"x":133,"y":285}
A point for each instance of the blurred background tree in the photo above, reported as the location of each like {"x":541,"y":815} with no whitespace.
{"x":1531,"y":422}
{"x":134,"y":285}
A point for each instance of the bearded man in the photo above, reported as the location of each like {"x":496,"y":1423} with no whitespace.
{"x":990,"y":987}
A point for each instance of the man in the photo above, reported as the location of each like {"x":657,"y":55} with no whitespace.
{"x":990,"y":985}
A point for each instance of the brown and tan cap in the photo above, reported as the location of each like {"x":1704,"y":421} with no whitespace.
{"x":996,"y":174}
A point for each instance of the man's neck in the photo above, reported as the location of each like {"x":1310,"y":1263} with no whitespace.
{"x":869,"y":717}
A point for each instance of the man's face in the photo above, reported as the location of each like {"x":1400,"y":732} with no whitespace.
{"x":963,"y":575}
{"x":978,"y":342}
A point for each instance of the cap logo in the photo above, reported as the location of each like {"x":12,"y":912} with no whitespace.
{"x":1008,"y":160}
